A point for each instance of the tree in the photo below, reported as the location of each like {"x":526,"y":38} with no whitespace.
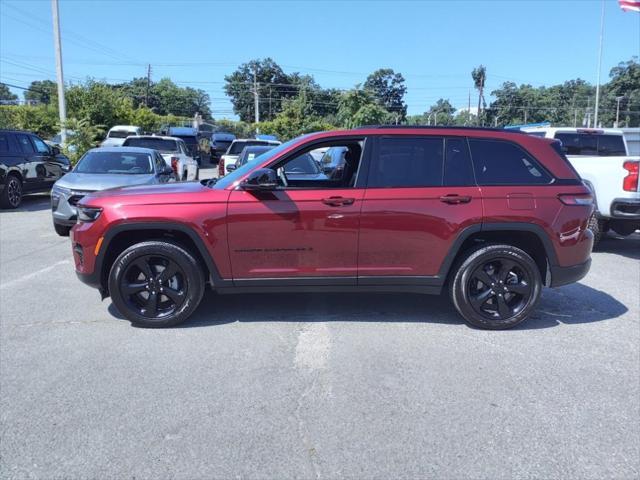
{"x":41,"y":91}
{"x":441,"y":113}
{"x":358,"y":107}
{"x":296,"y":118}
{"x":6,"y":96}
{"x":85,"y":135}
{"x":273,"y":85}
{"x":479,"y":75}
{"x":625,"y":85}
{"x":99,"y":103}
{"x":388,"y":88}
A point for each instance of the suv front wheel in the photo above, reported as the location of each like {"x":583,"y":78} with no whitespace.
{"x":156,"y":284}
{"x":496,"y":286}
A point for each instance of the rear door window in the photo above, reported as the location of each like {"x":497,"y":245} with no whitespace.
{"x":498,"y":162}
{"x":407,"y":162}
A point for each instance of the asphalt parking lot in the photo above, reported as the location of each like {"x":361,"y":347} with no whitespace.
{"x":312,"y":386}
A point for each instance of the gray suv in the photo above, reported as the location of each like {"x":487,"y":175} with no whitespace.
{"x":100,"y":169}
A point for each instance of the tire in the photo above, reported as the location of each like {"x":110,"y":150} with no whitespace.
{"x":11,"y":196}
{"x":511,"y":292}
{"x":136,"y":270}
{"x":61,"y":230}
{"x":597,"y":228}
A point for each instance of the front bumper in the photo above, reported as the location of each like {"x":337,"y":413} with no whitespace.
{"x":565,"y":275}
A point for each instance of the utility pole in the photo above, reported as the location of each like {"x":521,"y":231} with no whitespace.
{"x":525,"y":113}
{"x":595,"y":115}
{"x":146,"y":95}
{"x":256,"y":100}
{"x":618,"y":111}
{"x":62,"y":106}
{"x":469,"y":109}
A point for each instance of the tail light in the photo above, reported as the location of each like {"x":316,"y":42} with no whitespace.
{"x":174,"y":164}
{"x":576,"y":198}
{"x":630,"y":182}
{"x":221,"y":168}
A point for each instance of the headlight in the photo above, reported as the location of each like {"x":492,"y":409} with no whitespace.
{"x":88,"y":214}
{"x":57,"y":190}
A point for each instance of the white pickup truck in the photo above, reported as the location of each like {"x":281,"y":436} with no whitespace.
{"x":601,"y":158}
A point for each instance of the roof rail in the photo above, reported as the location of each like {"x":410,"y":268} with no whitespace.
{"x":437,"y":127}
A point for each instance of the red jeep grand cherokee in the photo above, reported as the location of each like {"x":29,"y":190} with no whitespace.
{"x":490,"y":215}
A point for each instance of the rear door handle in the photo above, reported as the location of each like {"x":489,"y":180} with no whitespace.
{"x":454,"y":199}
{"x":338,"y":201}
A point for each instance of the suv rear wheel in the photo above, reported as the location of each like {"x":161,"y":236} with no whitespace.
{"x":156,"y":284}
{"x":496,"y":286}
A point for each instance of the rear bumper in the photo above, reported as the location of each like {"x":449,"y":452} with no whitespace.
{"x":565,"y":275}
{"x":625,"y":209}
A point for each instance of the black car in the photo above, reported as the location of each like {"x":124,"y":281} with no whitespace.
{"x":27,"y":165}
{"x":249,"y":153}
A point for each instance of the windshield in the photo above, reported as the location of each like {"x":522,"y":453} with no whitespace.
{"x":130,"y":163}
{"x":237,"y":147}
{"x":120,"y":133}
{"x":236,"y":175}
{"x":590,"y":144}
{"x":160,"y":144}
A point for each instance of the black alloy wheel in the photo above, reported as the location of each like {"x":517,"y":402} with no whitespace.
{"x":156,"y":283}
{"x":499,"y":289}
{"x":495,"y":286}
{"x":154,"y":286}
{"x":12,"y":194}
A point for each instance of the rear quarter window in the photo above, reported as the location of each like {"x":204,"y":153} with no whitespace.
{"x":499,"y":162}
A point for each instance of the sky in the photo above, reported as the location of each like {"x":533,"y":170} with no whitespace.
{"x":434,"y":44}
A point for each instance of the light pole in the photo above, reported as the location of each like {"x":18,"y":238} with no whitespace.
{"x":62,"y":107}
{"x":618,"y":99}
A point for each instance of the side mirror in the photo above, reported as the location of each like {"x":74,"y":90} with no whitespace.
{"x":167,"y":170}
{"x":55,"y":150}
{"x":232,"y":167}
{"x":261,"y":179}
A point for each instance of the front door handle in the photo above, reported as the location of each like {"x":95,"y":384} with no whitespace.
{"x":338,"y":201}
{"x":454,"y":199}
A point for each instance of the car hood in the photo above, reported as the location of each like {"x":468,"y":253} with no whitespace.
{"x":96,"y":181}
{"x":164,"y":193}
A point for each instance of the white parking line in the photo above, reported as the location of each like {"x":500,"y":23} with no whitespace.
{"x":31,"y":275}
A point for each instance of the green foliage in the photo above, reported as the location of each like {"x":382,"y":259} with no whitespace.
{"x":6,"y":96}
{"x":40,"y":119}
{"x":82,"y":135}
{"x":296,"y":118}
{"x":388,"y":89}
{"x":359,"y":107}
{"x":99,"y":103}
{"x":273,"y":86}
{"x":42,"y":91}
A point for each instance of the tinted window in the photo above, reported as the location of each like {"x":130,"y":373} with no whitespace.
{"x":25,"y":144}
{"x":4,"y":142}
{"x":188,"y":139}
{"x":591,"y":144}
{"x":408,"y":162}
{"x":504,"y":163}
{"x":40,"y":145}
{"x":115,"y":163}
{"x":236,"y":147}
{"x":611,"y":145}
{"x":160,"y":144}
{"x":120,"y":133}
{"x":457,"y":167}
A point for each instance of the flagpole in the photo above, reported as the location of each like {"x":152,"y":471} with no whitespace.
{"x":595,"y":116}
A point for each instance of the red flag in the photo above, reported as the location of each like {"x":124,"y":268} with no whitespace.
{"x":630,"y":5}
